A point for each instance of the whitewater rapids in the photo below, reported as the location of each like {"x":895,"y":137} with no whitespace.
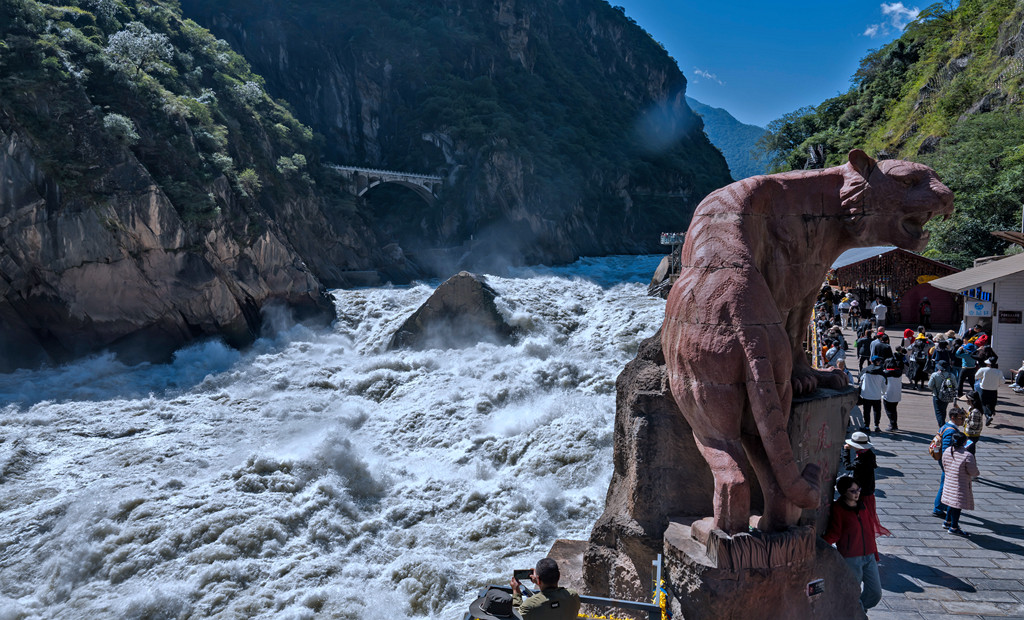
{"x":317,"y":475}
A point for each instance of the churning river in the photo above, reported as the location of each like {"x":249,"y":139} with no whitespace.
{"x":317,"y":475}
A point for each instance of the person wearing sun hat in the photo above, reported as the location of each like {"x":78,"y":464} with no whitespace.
{"x":917,"y":370}
{"x":863,"y":469}
{"x":974,"y":420}
{"x":495,"y":604}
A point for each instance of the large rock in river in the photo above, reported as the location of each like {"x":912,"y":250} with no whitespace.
{"x":460,"y":313}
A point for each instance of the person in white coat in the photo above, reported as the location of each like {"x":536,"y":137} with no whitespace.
{"x":872,"y":384}
{"x":987,"y":381}
{"x":893,"y":392}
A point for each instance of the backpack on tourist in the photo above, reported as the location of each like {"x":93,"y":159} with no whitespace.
{"x":935,"y":447}
{"x":974,"y":422}
{"x":947,"y":391}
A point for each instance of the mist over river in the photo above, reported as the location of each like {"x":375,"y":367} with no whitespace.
{"x":317,"y":475}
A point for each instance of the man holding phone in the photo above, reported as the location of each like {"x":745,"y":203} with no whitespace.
{"x":552,"y":602}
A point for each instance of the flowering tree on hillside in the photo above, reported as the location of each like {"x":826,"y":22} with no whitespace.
{"x":136,"y":47}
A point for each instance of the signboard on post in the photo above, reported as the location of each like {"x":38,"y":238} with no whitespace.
{"x":973,"y":307}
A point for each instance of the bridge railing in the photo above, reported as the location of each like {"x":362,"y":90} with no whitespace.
{"x":386,"y":172}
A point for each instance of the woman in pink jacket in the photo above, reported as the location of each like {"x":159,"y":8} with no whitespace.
{"x":959,"y":466}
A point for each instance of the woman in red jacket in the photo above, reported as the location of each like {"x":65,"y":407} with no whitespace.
{"x":852,"y":530}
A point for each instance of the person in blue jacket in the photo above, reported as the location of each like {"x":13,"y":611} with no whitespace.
{"x":968,"y":366}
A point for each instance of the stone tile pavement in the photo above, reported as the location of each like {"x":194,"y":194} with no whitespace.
{"x":927,"y":572}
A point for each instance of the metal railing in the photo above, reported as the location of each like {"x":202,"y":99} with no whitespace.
{"x":393,"y":173}
{"x":653,"y":609}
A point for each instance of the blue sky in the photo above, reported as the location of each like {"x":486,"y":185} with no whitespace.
{"x":760,"y":60}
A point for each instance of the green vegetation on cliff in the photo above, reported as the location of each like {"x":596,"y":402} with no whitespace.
{"x":560,"y":126}
{"x":947,"y":94}
{"x":529,"y":107}
{"x":184,"y":102}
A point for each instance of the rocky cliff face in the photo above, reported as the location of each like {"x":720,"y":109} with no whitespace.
{"x":111,"y":265}
{"x":155,"y":193}
{"x":562,"y":128}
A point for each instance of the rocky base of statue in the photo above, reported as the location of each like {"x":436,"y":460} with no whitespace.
{"x":660,"y":477}
{"x":793,"y":573}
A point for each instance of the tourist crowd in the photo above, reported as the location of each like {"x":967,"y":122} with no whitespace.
{"x":957,"y":369}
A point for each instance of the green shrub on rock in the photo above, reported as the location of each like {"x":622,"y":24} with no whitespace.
{"x":122,"y":128}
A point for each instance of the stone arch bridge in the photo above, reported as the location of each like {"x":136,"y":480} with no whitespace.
{"x":363,"y":180}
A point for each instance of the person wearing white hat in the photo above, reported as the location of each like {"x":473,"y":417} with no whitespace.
{"x":844,"y":311}
{"x":855,"y":314}
{"x":973,"y":420}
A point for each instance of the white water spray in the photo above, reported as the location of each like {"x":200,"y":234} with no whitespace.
{"x":316,"y":474}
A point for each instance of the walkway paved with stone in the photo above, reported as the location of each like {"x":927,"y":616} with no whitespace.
{"x":927,"y":572}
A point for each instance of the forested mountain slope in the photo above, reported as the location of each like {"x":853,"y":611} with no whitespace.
{"x":156,"y":187}
{"x":947,"y":93}
{"x":561,"y":127}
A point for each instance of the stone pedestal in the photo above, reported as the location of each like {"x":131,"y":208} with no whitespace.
{"x":660,"y":478}
{"x":794,"y":574}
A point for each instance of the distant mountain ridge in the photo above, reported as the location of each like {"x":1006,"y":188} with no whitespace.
{"x":735,"y":139}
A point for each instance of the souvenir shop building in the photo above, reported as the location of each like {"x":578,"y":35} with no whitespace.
{"x":898,"y":275}
{"x":993,"y":296}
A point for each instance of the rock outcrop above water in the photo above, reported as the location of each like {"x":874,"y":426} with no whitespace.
{"x":123,"y":272}
{"x":460,"y":313}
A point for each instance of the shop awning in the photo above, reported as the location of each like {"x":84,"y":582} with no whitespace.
{"x":972,"y":278}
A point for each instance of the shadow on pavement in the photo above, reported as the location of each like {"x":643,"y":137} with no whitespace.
{"x":999,"y":485}
{"x":887,"y":472}
{"x":896,"y":573}
{"x":1008,"y":530}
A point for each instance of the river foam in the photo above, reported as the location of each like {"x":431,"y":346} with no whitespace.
{"x":317,"y":474}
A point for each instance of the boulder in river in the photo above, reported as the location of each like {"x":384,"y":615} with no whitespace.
{"x":460,"y":313}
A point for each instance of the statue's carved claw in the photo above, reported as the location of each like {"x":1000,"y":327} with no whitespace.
{"x":834,"y":379}
{"x":806,"y":379}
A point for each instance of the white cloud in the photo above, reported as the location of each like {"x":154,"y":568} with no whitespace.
{"x":899,"y":16}
{"x":711,"y":77}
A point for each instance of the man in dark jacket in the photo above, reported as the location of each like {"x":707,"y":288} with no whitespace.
{"x":552,"y":602}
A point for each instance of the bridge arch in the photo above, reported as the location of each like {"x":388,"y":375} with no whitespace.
{"x":362,"y":180}
{"x":426,"y":194}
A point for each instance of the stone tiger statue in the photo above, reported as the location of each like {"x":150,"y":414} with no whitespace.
{"x":753,"y":262}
